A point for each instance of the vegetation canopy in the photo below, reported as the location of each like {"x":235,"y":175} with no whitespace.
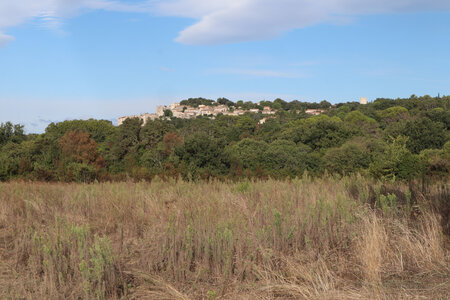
{"x":399,"y":139}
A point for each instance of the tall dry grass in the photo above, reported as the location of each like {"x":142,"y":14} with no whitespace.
{"x":348,"y":238}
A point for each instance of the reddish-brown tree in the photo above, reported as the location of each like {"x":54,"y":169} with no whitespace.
{"x":170,"y":141}
{"x":79,"y":147}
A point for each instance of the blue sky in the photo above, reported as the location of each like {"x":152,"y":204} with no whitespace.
{"x":69,"y":59}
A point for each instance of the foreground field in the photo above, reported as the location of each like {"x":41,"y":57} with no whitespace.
{"x":304,"y":239}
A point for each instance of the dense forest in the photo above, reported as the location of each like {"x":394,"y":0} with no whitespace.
{"x":389,"y":139}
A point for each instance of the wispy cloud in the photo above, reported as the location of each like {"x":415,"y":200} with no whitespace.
{"x":36,"y":114}
{"x":387,"y":71}
{"x":51,"y":13}
{"x":5,"y":39}
{"x":258,"y":73}
{"x":166,"y":69}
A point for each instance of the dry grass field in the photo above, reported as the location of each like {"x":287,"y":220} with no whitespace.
{"x":330,"y":238}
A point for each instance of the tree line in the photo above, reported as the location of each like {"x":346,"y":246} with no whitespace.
{"x":392,"y":139}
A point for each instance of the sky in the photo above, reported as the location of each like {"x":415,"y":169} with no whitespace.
{"x":79,"y":59}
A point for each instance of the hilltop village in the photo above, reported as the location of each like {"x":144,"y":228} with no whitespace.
{"x":185,"y":111}
{"x":178,"y":110}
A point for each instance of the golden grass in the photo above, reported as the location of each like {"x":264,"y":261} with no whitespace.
{"x":347,"y":238}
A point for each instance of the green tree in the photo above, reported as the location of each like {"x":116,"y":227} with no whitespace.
{"x":439,"y":115}
{"x":362,"y":122}
{"x":225,"y":101}
{"x":425,"y":134}
{"x":269,"y":131}
{"x":285,"y":158}
{"x":11,"y":133}
{"x":394,"y":130}
{"x":9,"y":162}
{"x":280,"y":104}
{"x":34,"y":159}
{"x":98,"y":130}
{"x":225,"y":130}
{"x":320,"y":132}
{"x":397,"y":162}
{"x":81,"y":172}
{"x":153,"y":132}
{"x":125,"y":145}
{"x":349,"y":158}
{"x":277,"y":106}
{"x":393,"y":114}
{"x":436,"y":163}
{"x":446,"y":149}
{"x":202,"y":153}
{"x":154,"y":159}
{"x":324,"y":104}
{"x":168,"y":113}
{"x":247,"y":153}
{"x":195,"y":102}
{"x":246,"y":125}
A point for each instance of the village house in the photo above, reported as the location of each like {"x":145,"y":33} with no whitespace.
{"x":314,"y":112}
{"x":267,"y":110}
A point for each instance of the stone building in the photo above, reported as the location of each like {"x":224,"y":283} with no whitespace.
{"x":314,"y":112}
{"x":144,"y":117}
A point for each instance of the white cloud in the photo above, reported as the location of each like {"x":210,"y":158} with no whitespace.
{"x":218,"y":21}
{"x":246,"y":20}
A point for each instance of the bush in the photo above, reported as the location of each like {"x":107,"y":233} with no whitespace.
{"x":81,"y":172}
{"x":348,"y":158}
{"x":285,"y":158}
